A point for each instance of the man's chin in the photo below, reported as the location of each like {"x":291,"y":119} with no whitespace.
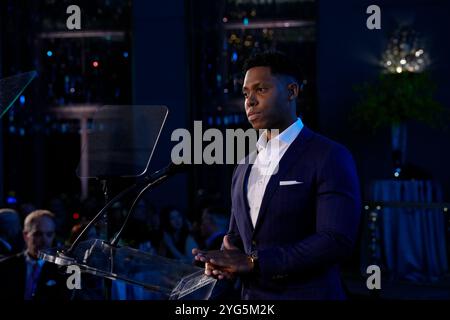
{"x":257,"y":125}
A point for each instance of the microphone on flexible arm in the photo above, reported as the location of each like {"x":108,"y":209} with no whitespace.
{"x":145,"y":183}
{"x":153,"y":180}
{"x":165,"y":172}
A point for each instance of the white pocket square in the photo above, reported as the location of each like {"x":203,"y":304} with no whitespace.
{"x":289,"y":182}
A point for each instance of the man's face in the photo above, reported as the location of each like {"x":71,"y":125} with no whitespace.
{"x":176,"y":219}
{"x":267,"y":102}
{"x":40,"y":236}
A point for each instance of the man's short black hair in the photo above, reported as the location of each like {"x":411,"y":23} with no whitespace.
{"x":278,"y":62}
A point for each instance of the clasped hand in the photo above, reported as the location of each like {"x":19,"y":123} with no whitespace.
{"x":226,"y":263}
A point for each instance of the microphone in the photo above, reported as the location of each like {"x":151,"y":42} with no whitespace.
{"x":149,"y":181}
{"x":165,"y":172}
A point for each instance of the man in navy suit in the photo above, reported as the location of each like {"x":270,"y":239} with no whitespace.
{"x":24,"y":276}
{"x":296,"y":209}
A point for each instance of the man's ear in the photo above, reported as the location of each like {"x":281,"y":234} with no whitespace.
{"x":293,"y":90}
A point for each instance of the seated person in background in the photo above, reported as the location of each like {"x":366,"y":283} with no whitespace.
{"x":213,"y":227}
{"x":10,"y":232}
{"x":177,"y":241}
{"x":25,"y":277}
{"x":142,"y":231}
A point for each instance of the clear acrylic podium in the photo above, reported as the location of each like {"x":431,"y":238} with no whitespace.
{"x":121,"y":144}
{"x":167,"y":279}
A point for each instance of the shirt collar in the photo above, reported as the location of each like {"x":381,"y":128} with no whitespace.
{"x":286,"y":137}
{"x":32,"y":261}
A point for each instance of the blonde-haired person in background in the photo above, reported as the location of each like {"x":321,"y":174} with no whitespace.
{"x":24,"y":276}
{"x":10,"y":232}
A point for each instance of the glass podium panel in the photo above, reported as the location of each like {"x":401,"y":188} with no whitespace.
{"x":122,"y":140}
{"x":168,"y":279}
{"x":11,"y":88}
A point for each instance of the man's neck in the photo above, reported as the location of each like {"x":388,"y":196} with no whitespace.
{"x":31,"y":256}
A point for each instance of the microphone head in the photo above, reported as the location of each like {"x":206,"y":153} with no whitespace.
{"x":167,"y":171}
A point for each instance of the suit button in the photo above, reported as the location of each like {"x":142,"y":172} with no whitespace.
{"x":254,"y":243}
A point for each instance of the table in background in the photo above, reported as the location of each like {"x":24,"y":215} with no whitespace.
{"x":406,"y":231}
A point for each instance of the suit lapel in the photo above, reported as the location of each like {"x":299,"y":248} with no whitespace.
{"x":289,"y":158}
{"x":243,"y":179}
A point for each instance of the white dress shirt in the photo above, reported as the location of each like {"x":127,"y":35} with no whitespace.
{"x":266,"y":164}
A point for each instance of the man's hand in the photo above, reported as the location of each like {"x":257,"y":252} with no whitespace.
{"x":224,"y":263}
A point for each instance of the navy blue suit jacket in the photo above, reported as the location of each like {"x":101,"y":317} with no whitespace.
{"x":304,"y":230}
{"x":51,"y":285}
